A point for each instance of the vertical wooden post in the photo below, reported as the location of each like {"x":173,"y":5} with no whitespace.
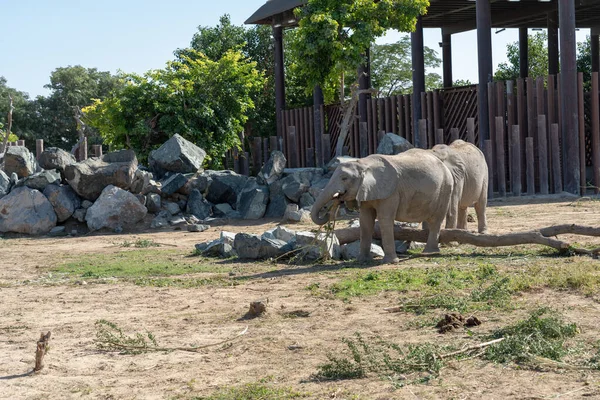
{"x":454,"y":134}
{"x":439,"y":136}
{"x":529,"y":155}
{"x":487,"y":147}
{"x":394,"y":114}
{"x":326,"y":140}
{"x":236,"y":161}
{"x":556,"y":169}
{"x":581,"y":109}
{"x":430,"y":120}
{"x":543,"y":154}
{"x":279,"y":80}
{"x":273,"y":143}
{"x":530,"y":108}
{"x":521,"y":115}
{"x":437,"y":118}
{"x":523,"y":53}
{"x":539,"y":90}
{"x":257,"y":154}
{"x":483,"y":16}
{"x":423,"y":133}
{"x":407,"y":122}
{"x":294,"y":155}
{"x":401,"y":129}
{"x":510,"y":115}
{"x":97,"y":150}
{"x":595,"y":132}
{"x":21,"y":143}
{"x":418,"y":76}
{"x":265,"y":150}
{"x":301,"y":136}
{"x":364,"y":145}
{"x":552,"y":22}
{"x":318,"y":119}
{"x":246,"y":163}
{"x":447,"y":59}
{"x":310,"y":157}
{"x":83,"y":150}
{"x":39,"y":148}
{"x":471,"y":130}
{"x":515,"y":176}
{"x":388,"y":114}
{"x":500,"y":161}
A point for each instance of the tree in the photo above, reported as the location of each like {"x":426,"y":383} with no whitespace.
{"x":391,"y":68}
{"x":462,"y":82}
{"x":205,"y":101}
{"x":22,"y":113}
{"x":537,"y":58}
{"x":584,"y":62}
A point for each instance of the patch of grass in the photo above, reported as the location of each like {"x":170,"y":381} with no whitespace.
{"x":140,"y":243}
{"x":253,"y":391}
{"x":186,"y":282}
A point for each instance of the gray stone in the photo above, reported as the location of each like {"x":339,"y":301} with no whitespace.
{"x":40,"y":180}
{"x":55,"y":158}
{"x":5,"y":184}
{"x":89,"y":178}
{"x":252,"y":202}
{"x":318,"y":246}
{"x":222,"y":210}
{"x":141,"y":198}
{"x":228,"y":237}
{"x":182,"y":204}
{"x":18,"y":159}
{"x":198,"y":206}
{"x":333,"y":164}
{"x":153,"y":202}
{"x":79,"y":214}
{"x":294,"y":189}
{"x":114,"y":208}
{"x":317,"y":187}
{"x":86,"y":204}
{"x":14,"y":178}
{"x":173,"y":184}
{"x":177,"y":221}
{"x":177,"y":155}
{"x":26,"y":210}
{"x":306,"y":200}
{"x":393,"y":144}
{"x":64,"y":200}
{"x":225,"y":186}
{"x":172,"y":208}
{"x":160,"y":221}
{"x":141,"y":182}
{"x":402,"y":246}
{"x":281,"y":233}
{"x":247,"y":246}
{"x":273,"y":168}
{"x":217,"y":248}
{"x":58,"y":231}
{"x":153,"y":187}
{"x":274,"y":247}
{"x":294,"y":214}
{"x":277,"y":201}
{"x":196,"y":181}
{"x":197,"y":228}
{"x":351,"y":251}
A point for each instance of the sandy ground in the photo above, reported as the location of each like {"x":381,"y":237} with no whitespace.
{"x":75,"y":368}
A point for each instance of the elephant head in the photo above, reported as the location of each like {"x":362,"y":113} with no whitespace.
{"x":370,"y":178}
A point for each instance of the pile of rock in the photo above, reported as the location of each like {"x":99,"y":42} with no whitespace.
{"x":281,"y":241}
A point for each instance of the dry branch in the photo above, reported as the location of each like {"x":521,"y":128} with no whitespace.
{"x":471,"y":348}
{"x":541,"y":237}
{"x":42,"y":348}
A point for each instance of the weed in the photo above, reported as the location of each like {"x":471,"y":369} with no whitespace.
{"x":253,"y":391}
{"x":110,"y":337}
{"x":140,"y":243}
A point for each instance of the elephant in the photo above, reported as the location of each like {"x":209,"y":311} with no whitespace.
{"x":413,"y":186}
{"x":470,"y":172}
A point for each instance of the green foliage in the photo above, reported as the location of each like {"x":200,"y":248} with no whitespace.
{"x":140,"y":243}
{"x":253,"y":391}
{"x":22,"y":112}
{"x":110,"y":337}
{"x":205,"y":101}
{"x":333,"y":34}
{"x":537,"y":58}
{"x":462,"y":82}
{"x":391,"y":68}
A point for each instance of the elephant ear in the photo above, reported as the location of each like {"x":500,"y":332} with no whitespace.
{"x":380,"y":180}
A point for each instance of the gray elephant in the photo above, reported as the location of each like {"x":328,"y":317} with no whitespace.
{"x":470,"y":172}
{"x":414,"y":186}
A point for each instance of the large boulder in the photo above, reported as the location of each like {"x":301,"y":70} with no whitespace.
{"x":89,"y":178}
{"x":26,"y":210}
{"x":273,"y":168}
{"x":252,"y":201}
{"x":115,"y":209}
{"x":177,"y":155}
{"x":55,"y":158}
{"x":256,"y":247}
{"x":40,"y":180}
{"x":5,"y":184}
{"x":173,"y":183}
{"x":277,"y":201}
{"x":319,"y":246}
{"x":224,"y":187}
{"x":198,"y":206}
{"x":351,"y":251}
{"x":64,"y":200}
{"x":393,"y":144}
{"x":18,"y":159}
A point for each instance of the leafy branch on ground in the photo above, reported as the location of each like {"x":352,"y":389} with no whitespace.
{"x":538,"y":340}
{"x":109,"y":337}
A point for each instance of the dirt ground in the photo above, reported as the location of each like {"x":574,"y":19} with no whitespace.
{"x":75,"y":368}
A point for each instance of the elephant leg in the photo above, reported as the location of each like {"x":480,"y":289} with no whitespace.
{"x":453,"y":211}
{"x":462,"y":218}
{"x":387,"y":237}
{"x":480,"y":206}
{"x":367,"y":227}
{"x":432,"y":246}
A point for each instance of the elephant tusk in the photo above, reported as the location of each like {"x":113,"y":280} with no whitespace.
{"x":335,"y":196}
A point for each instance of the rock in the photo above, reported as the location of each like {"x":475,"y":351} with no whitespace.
{"x":5,"y":184}
{"x":401,"y":246}
{"x":177,"y":155}
{"x":293,"y":214}
{"x":224,"y":187}
{"x":40,"y":180}
{"x":79,"y":214}
{"x":294,"y":186}
{"x":247,"y":246}
{"x":173,"y":184}
{"x":316,"y":247}
{"x":222,"y":210}
{"x":90,"y":177}
{"x":273,"y":168}
{"x":197,"y":228}
{"x":351,"y":251}
{"x":198,"y":206}
{"x":317,"y":187}
{"x":306,"y":200}
{"x":160,"y":221}
{"x":153,"y":187}
{"x":172,"y":208}
{"x":333,"y":164}
{"x":63,"y":199}
{"x":14,"y":178}
{"x":217,"y":248}
{"x":393,"y":144}
{"x":26,"y":210}
{"x":195,"y":181}
{"x":18,"y":159}
{"x":177,"y":221}
{"x":270,"y":248}
{"x":114,"y":208}
{"x":86,"y":204}
{"x":55,"y":158}
{"x":277,"y":201}
{"x":252,"y":202}
{"x":228,"y":237}
{"x":141,"y":198}
{"x":58,"y":231}
{"x":153,"y":202}
{"x":141,"y":182}
{"x":285,"y":234}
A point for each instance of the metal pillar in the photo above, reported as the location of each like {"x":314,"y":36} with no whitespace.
{"x":552,"y":43}
{"x":568,"y":93}
{"x":418,"y":75}
{"x":523,"y":53}
{"x":484,"y":57}
{"x":279,"y":80}
{"x":447,"y":59}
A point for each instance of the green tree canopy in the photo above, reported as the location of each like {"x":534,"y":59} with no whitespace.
{"x":391,"y":68}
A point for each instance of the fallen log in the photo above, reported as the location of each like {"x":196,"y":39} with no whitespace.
{"x":541,"y":237}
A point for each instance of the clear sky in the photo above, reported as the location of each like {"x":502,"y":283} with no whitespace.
{"x":137,"y":35}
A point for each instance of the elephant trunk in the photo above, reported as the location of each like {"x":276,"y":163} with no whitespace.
{"x":321,"y":201}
